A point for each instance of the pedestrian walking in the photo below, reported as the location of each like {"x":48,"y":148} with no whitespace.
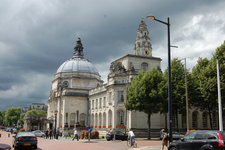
{"x":75,"y":135}
{"x":132,"y":137}
{"x":165,"y":139}
{"x":50,"y":134}
{"x":46,"y":134}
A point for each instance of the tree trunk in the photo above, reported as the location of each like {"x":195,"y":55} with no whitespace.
{"x":149,"y":125}
{"x":165,"y":121}
{"x":210,"y":117}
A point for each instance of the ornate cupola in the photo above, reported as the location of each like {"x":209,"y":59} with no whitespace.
{"x":78,"y":50}
{"x":143,"y":45}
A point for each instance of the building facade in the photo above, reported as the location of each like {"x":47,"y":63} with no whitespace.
{"x":78,"y":97}
{"x":68,"y":101}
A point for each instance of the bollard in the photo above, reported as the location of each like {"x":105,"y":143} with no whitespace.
{"x":8,"y":134}
{"x":0,"y":135}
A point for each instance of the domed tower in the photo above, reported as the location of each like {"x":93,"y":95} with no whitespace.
{"x":68,"y":100}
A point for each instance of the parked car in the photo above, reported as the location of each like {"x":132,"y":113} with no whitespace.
{"x":200,"y":140}
{"x":177,"y":135}
{"x":39,"y":133}
{"x":118,"y":135}
{"x":8,"y":130}
{"x":24,"y":139}
{"x":5,"y":147}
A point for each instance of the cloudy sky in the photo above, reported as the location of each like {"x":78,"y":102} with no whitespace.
{"x":37,"y":36}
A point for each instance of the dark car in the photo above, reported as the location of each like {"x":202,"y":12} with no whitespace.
{"x":177,"y":135}
{"x":200,"y":140}
{"x":25,"y":139}
{"x":39,"y":133}
{"x":5,"y":147}
{"x":118,"y":136}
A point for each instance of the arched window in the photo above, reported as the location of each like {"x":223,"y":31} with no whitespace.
{"x":121,"y":117}
{"x":72,"y":119}
{"x":100,"y":121}
{"x":110,"y":119}
{"x":92,"y":120}
{"x":96,"y":120}
{"x":82,"y":119}
{"x":104,"y":120}
{"x":144,"y":66}
{"x":194,"y":120}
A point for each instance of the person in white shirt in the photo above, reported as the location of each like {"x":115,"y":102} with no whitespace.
{"x":75,"y":135}
{"x":132,"y":137}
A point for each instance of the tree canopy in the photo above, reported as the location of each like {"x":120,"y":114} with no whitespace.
{"x":144,"y":93}
{"x":12,"y":115}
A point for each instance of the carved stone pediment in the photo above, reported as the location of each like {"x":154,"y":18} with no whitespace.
{"x":117,"y":67}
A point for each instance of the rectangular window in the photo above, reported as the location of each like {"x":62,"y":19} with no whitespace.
{"x":104,"y":103}
{"x":120,"y":96}
{"x":96,"y":107}
{"x":93,"y":104}
{"x":110,"y":98}
{"x":100,"y":103}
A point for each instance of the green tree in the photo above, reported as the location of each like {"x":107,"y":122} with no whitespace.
{"x":144,"y":94}
{"x":12,"y":115}
{"x":178,"y":88}
{"x":1,"y":118}
{"x":205,"y":74}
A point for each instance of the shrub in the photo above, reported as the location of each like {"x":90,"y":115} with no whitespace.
{"x":84,"y":134}
{"x":95,"y":134}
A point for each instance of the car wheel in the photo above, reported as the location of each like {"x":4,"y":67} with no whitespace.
{"x":173,"y":148}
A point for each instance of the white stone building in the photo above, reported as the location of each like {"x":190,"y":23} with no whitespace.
{"x":107,"y":102}
{"x":78,"y":97}
{"x":68,"y":101}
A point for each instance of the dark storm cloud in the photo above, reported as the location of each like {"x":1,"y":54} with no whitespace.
{"x":38,"y":36}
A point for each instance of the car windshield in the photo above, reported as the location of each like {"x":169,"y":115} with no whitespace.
{"x":200,"y":135}
{"x":25,"y":134}
{"x":190,"y":136}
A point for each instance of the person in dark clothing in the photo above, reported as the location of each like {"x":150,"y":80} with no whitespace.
{"x":50,"y":134}
{"x":46,"y":134}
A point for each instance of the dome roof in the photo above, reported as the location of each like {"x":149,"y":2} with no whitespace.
{"x":77,"y":65}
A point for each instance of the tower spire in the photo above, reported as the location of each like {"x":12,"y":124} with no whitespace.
{"x":78,"y":50}
{"x":143,"y":45}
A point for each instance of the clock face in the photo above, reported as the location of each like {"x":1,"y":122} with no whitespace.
{"x":65,"y":84}
{"x":147,"y":52}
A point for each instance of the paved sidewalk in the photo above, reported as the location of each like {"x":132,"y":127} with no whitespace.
{"x":147,"y":148}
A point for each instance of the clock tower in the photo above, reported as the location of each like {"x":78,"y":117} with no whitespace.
{"x":143,"y":45}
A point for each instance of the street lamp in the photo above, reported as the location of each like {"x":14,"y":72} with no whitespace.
{"x":169,"y":74}
{"x":55,"y":121}
{"x":219,"y":96}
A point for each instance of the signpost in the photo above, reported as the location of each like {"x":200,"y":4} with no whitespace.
{"x":89,"y":133}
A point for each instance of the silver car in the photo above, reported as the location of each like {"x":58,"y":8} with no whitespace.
{"x":39,"y":133}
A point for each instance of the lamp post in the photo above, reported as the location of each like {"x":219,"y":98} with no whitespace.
{"x":55,"y":122}
{"x":219,"y":96}
{"x":169,"y":74}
